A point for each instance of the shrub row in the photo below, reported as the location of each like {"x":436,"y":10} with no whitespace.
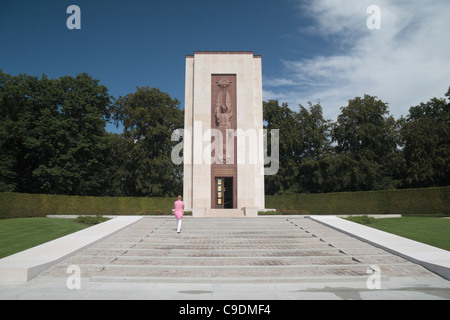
{"x":18,"y":205}
{"x":430,"y":201}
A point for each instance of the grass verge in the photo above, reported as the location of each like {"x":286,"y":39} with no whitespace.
{"x":432,"y":231}
{"x":23,"y":233}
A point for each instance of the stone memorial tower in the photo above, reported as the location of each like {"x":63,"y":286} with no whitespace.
{"x":223,"y":136}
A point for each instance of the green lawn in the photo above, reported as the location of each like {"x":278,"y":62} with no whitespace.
{"x":20,"y":234}
{"x":432,"y":231}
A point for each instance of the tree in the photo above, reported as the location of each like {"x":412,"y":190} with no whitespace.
{"x":315,"y":151}
{"x":426,"y":144}
{"x":366,"y":137}
{"x":448,"y":96}
{"x":144,"y":166}
{"x":304,"y":148}
{"x":75,"y":138}
{"x":24,"y":101}
{"x":283,"y":119}
{"x":13,"y":128}
{"x":53,"y":135}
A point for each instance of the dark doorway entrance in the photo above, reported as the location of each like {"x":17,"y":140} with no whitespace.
{"x":228,"y":195}
{"x":224,"y":193}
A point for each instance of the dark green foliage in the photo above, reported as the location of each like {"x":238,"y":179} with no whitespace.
{"x":426,"y":144}
{"x":365,"y":149}
{"x":52,"y":135}
{"x":304,"y":148}
{"x":19,"y":205}
{"x":144,"y":165}
{"x":53,"y":139}
{"x":429,"y":201}
{"x":361,"y":219}
{"x":91,"y":220}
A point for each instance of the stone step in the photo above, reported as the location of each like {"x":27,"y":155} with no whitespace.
{"x":247,"y":271}
{"x":225,"y":246}
{"x":232,"y":279}
{"x":214,"y":261}
{"x":213,"y":236}
{"x":256,"y":252}
{"x":224,"y":213}
{"x":234,"y":262}
{"x":231,"y":242}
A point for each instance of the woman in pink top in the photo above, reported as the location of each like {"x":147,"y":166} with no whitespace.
{"x":178,"y":212}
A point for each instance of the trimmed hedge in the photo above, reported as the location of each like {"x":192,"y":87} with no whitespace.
{"x":19,"y":205}
{"x":430,"y":201}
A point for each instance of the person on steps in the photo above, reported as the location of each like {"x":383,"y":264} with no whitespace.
{"x":178,"y":212}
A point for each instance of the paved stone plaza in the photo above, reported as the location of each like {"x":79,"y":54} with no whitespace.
{"x":263,"y":258}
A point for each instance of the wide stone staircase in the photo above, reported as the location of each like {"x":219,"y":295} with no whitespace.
{"x":283,"y":249}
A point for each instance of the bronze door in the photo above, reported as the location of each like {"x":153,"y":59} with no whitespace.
{"x":224,"y":193}
{"x":220,"y":185}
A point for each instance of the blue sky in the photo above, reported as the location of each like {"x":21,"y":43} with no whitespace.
{"x":311,"y":50}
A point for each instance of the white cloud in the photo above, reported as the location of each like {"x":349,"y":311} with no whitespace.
{"x":404,"y":63}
